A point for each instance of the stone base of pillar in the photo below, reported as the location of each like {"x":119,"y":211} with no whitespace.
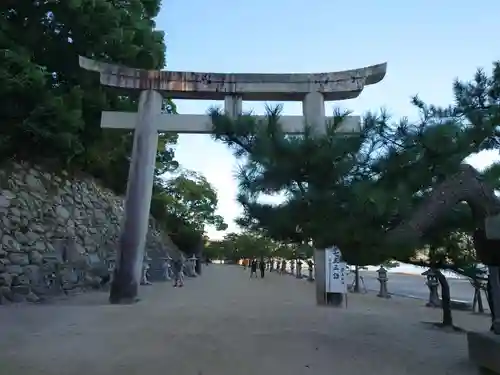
{"x":122,"y":293}
{"x":334,"y":299}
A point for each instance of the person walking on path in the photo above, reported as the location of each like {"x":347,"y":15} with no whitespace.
{"x":253,"y":268}
{"x":262,"y":267}
{"x":178,"y":275}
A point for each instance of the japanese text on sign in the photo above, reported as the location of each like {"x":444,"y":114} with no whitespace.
{"x":335,"y":271}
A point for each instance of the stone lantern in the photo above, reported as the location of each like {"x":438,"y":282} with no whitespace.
{"x":145,"y":269}
{"x":192,"y":266}
{"x":111,"y":263}
{"x":432,"y":283}
{"x":382,"y":278}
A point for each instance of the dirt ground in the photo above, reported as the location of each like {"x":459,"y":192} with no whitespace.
{"x":225,"y":323}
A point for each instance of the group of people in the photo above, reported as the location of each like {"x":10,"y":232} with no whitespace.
{"x":280,"y":267}
{"x":253,"y":264}
{"x":272,"y":265}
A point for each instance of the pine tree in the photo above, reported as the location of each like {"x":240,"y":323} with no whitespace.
{"x":351,"y":191}
{"x":50,"y":107}
{"x":434,"y":189}
{"x":324,"y":180}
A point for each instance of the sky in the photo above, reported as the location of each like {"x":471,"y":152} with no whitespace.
{"x":427,"y":44}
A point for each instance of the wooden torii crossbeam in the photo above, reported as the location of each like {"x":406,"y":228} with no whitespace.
{"x":312,"y":89}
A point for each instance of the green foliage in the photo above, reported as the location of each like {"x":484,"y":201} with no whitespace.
{"x":215,"y":250}
{"x":424,"y":153}
{"x":185,"y":204}
{"x":51,"y":108}
{"x":237,"y":246}
{"x":193,"y":199}
{"x":350,"y":191}
{"x":318,"y":175}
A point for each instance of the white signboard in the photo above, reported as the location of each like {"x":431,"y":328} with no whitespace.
{"x":335,"y":271}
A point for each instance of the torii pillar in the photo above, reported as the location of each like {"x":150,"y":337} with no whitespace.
{"x":311,"y":89}
{"x":127,"y":275}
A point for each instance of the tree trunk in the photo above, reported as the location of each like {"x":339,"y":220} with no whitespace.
{"x":445,"y":299}
{"x":492,"y":303}
{"x":478,"y":298}
{"x":466,"y":185}
{"x":356,"y":279}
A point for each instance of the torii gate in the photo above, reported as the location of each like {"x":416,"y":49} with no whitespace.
{"x":311,"y":89}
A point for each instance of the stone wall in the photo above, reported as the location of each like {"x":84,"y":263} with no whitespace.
{"x":59,"y":234}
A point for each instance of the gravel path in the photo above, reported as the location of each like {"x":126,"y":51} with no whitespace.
{"x":225,"y":323}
